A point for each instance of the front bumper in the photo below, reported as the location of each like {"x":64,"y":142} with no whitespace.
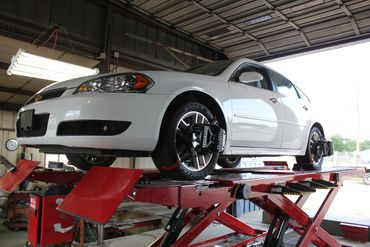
{"x":143,"y":111}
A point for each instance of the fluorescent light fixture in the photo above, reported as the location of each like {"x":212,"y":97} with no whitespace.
{"x":259,"y":20}
{"x":26,"y":64}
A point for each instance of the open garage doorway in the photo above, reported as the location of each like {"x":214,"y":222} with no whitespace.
{"x":338,"y":83}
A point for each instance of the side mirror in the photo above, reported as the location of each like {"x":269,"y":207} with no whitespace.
{"x":250,"y":76}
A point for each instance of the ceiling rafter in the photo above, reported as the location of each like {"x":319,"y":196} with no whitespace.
{"x":348,"y":13}
{"x":288,"y":21}
{"x":295,"y":26}
{"x":161,"y":20}
{"x":229,"y":24}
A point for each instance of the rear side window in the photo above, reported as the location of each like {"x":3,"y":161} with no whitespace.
{"x":284,"y":86}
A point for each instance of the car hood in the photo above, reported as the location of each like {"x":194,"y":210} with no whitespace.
{"x":156,"y":76}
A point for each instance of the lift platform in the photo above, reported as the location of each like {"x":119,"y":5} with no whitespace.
{"x":94,"y":196}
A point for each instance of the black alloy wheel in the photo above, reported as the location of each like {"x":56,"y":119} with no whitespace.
{"x":313,"y":158}
{"x":177,"y":154}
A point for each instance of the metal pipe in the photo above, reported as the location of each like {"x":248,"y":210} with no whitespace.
{"x":100,"y":240}
{"x":168,"y":47}
{"x":82,"y":232}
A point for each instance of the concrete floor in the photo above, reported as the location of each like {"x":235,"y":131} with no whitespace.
{"x":18,"y":239}
{"x":12,"y":239}
{"x":352,"y":204}
{"x":214,"y":230}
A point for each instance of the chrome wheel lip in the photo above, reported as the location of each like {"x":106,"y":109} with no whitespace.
{"x":183,"y":124}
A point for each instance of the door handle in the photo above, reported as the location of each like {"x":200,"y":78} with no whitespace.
{"x":305,"y":107}
{"x":273,"y":100}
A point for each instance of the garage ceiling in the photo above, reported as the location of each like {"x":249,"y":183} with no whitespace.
{"x":170,"y":34}
{"x":264,"y":29}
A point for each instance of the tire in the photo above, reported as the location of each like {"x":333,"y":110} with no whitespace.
{"x":85,"y":161}
{"x":229,"y":161}
{"x":172,"y":156}
{"x":310,"y":161}
{"x":366,"y":178}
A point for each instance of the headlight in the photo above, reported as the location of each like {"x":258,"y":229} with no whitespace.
{"x":119,"y":83}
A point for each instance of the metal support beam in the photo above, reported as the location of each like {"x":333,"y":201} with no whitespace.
{"x":173,"y":49}
{"x":231,"y":25}
{"x":348,"y":13}
{"x":304,"y":37}
{"x":143,"y":14}
{"x":108,"y":39}
{"x":100,"y":229}
{"x":175,"y":57}
{"x":288,"y":21}
{"x":316,"y":221}
{"x":217,"y":16}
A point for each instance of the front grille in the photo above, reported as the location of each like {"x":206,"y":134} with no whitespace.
{"x":92,"y":128}
{"x":46,"y":95}
{"x":40,"y":124}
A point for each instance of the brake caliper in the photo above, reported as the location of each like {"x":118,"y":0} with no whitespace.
{"x":208,"y":138}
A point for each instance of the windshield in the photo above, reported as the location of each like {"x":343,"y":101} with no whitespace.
{"x":214,"y":68}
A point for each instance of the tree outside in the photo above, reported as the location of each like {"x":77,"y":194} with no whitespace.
{"x":344,"y":148}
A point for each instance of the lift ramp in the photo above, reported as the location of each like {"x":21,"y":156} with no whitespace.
{"x":11,"y":180}
{"x":97,"y":194}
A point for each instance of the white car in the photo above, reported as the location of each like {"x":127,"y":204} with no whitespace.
{"x":187,"y":121}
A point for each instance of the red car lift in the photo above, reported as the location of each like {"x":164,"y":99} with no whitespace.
{"x":198,"y":204}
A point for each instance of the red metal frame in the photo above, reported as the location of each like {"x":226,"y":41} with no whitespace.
{"x":206,"y":200}
{"x":99,"y":193}
{"x":221,"y":194}
{"x":42,"y":217}
{"x":10,"y":181}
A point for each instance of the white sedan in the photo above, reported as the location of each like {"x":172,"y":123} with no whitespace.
{"x":187,"y":121}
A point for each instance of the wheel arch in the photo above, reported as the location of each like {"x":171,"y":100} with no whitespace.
{"x":319,"y":126}
{"x":197,"y":96}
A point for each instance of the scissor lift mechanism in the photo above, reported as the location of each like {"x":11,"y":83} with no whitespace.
{"x":99,"y":192}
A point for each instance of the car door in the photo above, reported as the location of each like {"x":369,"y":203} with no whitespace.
{"x":296,"y":112}
{"x":256,"y":111}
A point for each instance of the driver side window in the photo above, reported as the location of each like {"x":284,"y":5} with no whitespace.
{"x":263,"y":83}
